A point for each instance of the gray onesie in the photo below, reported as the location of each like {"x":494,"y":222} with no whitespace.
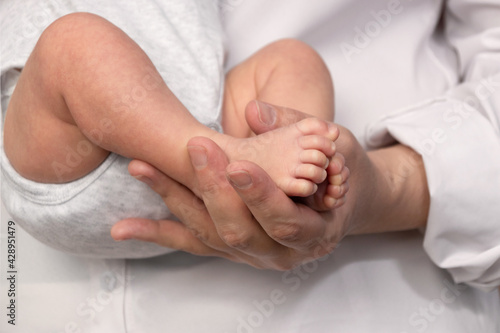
{"x":184,"y":41}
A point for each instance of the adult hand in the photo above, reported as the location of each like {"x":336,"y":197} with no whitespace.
{"x":246,"y":218}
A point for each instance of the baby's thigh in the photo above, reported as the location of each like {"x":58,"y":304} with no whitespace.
{"x":239,"y":90}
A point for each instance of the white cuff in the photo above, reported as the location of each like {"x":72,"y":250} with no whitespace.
{"x":461,"y":153}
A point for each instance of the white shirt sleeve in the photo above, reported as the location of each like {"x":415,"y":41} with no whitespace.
{"x":458,"y":137}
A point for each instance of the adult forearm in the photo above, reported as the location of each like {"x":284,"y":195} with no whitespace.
{"x":393,"y":195}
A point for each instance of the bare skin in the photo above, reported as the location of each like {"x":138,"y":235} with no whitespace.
{"x":70,"y":98}
{"x":244,"y":217}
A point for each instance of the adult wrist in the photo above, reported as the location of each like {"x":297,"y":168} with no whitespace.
{"x":394,"y":191}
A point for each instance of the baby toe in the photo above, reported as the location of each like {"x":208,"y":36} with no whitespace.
{"x":336,"y":165}
{"x":300,"y":188}
{"x":313,"y":125}
{"x":333,"y":132}
{"x":340,"y":178}
{"x":312,"y":156}
{"x":311,"y":172}
{"x":318,"y":142}
{"x":332,"y":203}
{"x":337,"y":191}
{"x":319,"y":127}
{"x":329,"y":201}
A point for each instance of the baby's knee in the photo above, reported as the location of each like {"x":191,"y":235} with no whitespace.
{"x":294,"y":56}
{"x":289,"y":46}
{"x":295,"y":51}
{"x":72,"y":32}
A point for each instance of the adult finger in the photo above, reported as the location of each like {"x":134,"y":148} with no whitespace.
{"x":233,"y":221}
{"x":154,"y":178}
{"x":197,"y":234}
{"x":166,"y":233}
{"x":263,"y":117}
{"x":292,"y":225}
{"x":182,"y":203}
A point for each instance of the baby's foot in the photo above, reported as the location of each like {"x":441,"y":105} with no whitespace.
{"x":297,"y":157}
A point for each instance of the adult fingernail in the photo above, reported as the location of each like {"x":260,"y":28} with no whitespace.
{"x":267,"y":113}
{"x":240,"y":179}
{"x":145,"y":180}
{"x":198,"y":156}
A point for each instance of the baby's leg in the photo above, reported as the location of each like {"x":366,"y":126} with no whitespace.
{"x":75,"y":102}
{"x":291,"y":74}
{"x":75,"y":98}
